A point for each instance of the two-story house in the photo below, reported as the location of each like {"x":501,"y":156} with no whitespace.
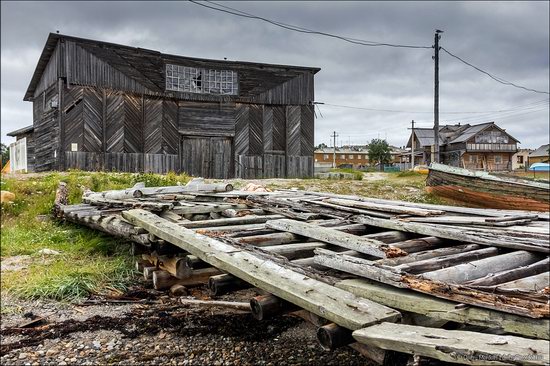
{"x":484,"y":146}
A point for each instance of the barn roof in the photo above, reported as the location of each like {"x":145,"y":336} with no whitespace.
{"x":147,"y":66}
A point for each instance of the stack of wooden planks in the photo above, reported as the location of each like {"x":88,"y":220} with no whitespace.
{"x":389,"y":278}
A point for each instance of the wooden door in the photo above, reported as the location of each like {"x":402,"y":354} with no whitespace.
{"x":207,"y":157}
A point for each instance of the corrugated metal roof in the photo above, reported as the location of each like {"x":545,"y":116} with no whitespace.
{"x":541,"y":151}
{"x":470,"y":132}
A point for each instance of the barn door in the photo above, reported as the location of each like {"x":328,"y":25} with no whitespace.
{"x":220,"y":150}
{"x":207,"y":157}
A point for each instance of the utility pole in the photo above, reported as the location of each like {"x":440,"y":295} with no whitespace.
{"x":436,"y":95}
{"x":334,"y":135}
{"x":412,"y":145}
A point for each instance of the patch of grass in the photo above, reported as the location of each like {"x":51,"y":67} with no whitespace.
{"x":357,"y":174}
{"x":409,"y":173}
{"x":89,"y":261}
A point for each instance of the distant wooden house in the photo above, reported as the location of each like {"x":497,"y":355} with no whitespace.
{"x":540,"y":155}
{"x":484,"y":146}
{"x":345,"y":157}
{"x":103,"y":106}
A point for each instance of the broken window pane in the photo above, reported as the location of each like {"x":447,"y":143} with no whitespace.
{"x":196,"y":80}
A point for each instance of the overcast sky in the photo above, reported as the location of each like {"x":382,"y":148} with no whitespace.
{"x":508,"y":39}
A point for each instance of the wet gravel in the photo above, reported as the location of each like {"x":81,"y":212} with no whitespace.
{"x":161,"y":333}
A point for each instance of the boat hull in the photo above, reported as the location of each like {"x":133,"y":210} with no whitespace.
{"x":478,"y":192}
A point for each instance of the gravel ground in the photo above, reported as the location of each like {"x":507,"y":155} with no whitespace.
{"x":159,"y":333}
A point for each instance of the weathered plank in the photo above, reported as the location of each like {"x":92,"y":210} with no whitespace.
{"x":388,"y":275}
{"x":456,"y":346}
{"x":470,"y":271}
{"x":364,"y":245}
{"x":402,"y":210}
{"x":318,"y":297}
{"x":441,"y":309}
{"x":496,"y":238}
{"x":251,"y":219}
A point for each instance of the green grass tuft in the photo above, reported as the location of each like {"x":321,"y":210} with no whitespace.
{"x":89,"y":261}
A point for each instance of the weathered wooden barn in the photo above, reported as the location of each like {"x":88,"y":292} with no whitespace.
{"x":103,"y":106}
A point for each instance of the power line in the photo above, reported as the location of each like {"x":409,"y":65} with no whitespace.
{"x":496,"y":78}
{"x":426,"y":112}
{"x":233,"y":11}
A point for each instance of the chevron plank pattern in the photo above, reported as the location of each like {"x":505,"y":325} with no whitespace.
{"x":279,"y":128}
{"x":114,"y":117}
{"x":293,"y":130}
{"x":307,"y":130}
{"x":170,"y":135}
{"x":268,"y":128}
{"x":152,"y":125}
{"x":255,"y":137}
{"x":241,"y":129}
{"x":133,"y":124}
{"x":92,"y":121}
{"x":73,"y":118}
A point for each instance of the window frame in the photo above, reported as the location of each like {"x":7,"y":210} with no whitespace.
{"x":187,"y":79}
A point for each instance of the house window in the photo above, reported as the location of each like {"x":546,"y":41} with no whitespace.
{"x":343,"y":156}
{"x":325,"y":157}
{"x":351,"y":156}
{"x":473,"y":159}
{"x":520,"y":159}
{"x":195,"y":80}
{"x":498,"y":159}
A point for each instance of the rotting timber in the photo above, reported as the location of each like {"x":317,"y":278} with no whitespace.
{"x":480,"y":189}
{"x":356,"y":267}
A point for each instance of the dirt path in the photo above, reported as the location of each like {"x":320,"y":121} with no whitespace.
{"x":160,"y":333}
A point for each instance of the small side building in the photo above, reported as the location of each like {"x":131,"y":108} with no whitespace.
{"x":520,"y":160}
{"x":22,"y":150}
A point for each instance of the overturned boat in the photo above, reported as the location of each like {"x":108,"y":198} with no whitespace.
{"x":481,"y":189}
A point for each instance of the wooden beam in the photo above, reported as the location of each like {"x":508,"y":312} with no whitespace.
{"x":514,"y":304}
{"x":360,"y":244}
{"x":469,"y":348}
{"x":251,"y":219}
{"x":512,"y":274}
{"x":497,"y":238}
{"x":470,"y":271}
{"x":441,"y":309}
{"x":385,"y":207}
{"x":446,"y":261}
{"x":339,"y":306}
{"x":532,"y":283}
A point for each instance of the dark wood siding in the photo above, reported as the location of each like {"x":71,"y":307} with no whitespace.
{"x":208,"y":157}
{"x":202,"y":118}
{"x":115,"y":114}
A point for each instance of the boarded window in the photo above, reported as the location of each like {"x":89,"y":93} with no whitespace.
{"x":325,"y":157}
{"x":204,"y":81}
